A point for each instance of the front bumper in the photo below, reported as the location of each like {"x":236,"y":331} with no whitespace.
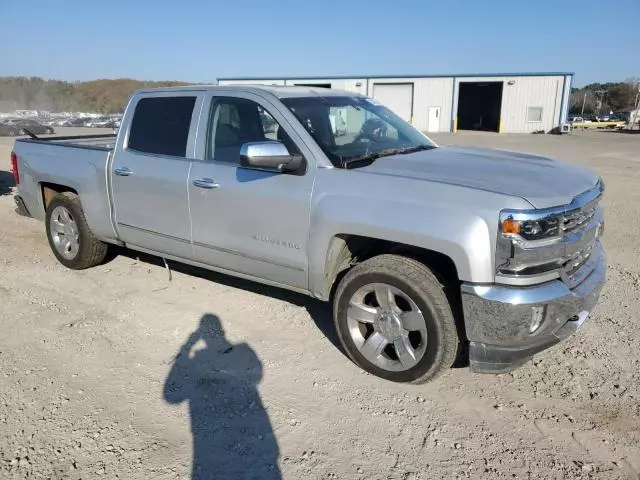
{"x":499,"y":319}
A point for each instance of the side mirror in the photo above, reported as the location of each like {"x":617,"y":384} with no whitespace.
{"x":268,"y":155}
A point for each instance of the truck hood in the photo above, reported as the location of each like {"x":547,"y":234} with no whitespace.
{"x":541,"y":181}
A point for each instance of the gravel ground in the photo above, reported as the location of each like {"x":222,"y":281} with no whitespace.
{"x":117,"y":372}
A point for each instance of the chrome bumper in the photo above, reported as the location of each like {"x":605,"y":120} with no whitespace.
{"x":500,"y":321}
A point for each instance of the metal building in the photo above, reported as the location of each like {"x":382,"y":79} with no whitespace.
{"x":501,"y":102}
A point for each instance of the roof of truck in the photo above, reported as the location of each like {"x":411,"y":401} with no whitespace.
{"x":280,"y":91}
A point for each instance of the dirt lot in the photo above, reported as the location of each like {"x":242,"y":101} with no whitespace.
{"x":94,"y":384}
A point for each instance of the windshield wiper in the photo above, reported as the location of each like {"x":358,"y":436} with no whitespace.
{"x":384,"y":153}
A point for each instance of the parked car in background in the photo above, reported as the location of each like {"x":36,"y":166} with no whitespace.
{"x":7,"y":130}
{"x":31,"y":125}
{"x":63,"y":122}
{"x":100,"y":122}
{"x":75,"y":122}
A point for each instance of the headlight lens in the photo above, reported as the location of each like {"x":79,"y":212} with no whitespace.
{"x":539,"y":229}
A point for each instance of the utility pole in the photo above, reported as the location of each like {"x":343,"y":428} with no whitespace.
{"x":584,"y":100}
{"x":602,"y":94}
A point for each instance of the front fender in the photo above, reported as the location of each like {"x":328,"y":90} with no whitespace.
{"x":458,"y":222}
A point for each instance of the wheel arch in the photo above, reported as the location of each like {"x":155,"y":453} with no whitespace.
{"x":49,"y":190}
{"x":346,"y":250}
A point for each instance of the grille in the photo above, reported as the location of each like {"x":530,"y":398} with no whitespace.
{"x":578,"y":260}
{"x":575,"y":221}
{"x":580,"y":218}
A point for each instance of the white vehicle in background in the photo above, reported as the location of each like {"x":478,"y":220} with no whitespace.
{"x":98,"y":123}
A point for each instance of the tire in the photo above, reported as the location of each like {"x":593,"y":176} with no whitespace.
{"x":413,"y":283}
{"x":88,"y":251}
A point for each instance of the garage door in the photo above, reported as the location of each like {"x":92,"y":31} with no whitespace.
{"x":397,"y":96}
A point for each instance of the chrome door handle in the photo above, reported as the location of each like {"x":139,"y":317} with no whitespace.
{"x":122,"y":171}
{"x":205,"y":183}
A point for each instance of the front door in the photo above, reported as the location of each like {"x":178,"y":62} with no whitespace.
{"x":434,"y":119}
{"x":149,"y":174}
{"x":248,"y":221}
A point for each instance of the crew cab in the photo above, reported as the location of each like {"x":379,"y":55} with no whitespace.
{"x":427,"y":253}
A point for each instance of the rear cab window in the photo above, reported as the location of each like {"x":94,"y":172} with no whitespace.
{"x":160,"y":125}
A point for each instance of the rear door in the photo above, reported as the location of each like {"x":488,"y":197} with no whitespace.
{"x":150,"y":171}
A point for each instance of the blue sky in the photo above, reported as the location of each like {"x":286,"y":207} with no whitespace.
{"x":200,"y":41}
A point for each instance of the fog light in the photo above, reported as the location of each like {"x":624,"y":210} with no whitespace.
{"x":537,"y":316}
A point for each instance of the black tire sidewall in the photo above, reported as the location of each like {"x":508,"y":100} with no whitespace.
{"x":433,"y":354}
{"x":75,"y":209}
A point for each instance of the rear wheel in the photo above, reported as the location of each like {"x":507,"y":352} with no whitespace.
{"x":70,"y":238}
{"x":395,"y":321}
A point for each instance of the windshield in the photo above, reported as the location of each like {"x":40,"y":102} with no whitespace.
{"x":351,"y":129}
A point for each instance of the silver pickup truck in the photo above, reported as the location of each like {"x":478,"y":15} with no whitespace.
{"x":427,"y":253}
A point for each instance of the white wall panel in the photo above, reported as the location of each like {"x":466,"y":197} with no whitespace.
{"x":427,"y":92}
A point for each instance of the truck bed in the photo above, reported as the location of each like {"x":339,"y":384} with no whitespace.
{"x":78,"y":163}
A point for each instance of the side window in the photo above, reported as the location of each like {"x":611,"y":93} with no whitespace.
{"x":235,"y":121}
{"x":160,"y":125}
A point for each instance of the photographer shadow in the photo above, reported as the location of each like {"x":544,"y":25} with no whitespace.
{"x":232,"y":433}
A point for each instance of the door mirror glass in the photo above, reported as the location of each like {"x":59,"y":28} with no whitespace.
{"x":269,"y":155}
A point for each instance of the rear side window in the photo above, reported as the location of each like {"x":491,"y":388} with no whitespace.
{"x":161,"y":125}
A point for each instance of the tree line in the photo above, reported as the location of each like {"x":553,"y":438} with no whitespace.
{"x":104,"y":96}
{"x":605,"y":97}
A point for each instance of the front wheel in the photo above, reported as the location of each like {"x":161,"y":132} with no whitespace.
{"x":395,"y":321}
{"x":70,"y":238}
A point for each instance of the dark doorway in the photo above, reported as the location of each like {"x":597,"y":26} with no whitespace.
{"x":318,"y":85}
{"x":479,"y":105}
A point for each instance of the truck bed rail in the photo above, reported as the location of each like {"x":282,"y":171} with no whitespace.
{"x":95,"y":142}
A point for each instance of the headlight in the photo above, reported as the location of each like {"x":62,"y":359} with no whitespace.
{"x":533,"y":229}
{"x":534,"y":246}
{"x":529,"y":244}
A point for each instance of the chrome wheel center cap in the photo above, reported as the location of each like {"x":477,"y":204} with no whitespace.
{"x":390,"y":326}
